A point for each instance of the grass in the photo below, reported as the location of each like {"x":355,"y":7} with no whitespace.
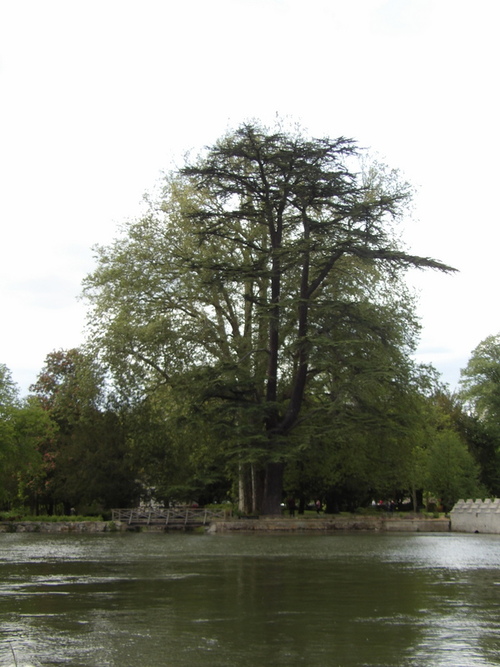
{"x":368,"y":512}
{"x":19,"y":516}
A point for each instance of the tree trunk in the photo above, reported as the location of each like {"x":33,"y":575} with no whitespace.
{"x":273,"y":489}
{"x":258,"y":482}
{"x":332,"y":504}
{"x":414,"y":499}
{"x":245,"y":494}
{"x":251,"y":484}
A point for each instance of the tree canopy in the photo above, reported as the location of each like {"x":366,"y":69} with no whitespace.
{"x":263,"y":282}
{"x":84,"y":460}
{"x":480,"y":382}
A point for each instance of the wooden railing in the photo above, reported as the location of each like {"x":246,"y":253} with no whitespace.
{"x":169,"y":515}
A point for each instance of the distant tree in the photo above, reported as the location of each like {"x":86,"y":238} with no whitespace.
{"x":479,"y":415}
{"x":452,"y":472}
{"x":485,"y":448}
{"x":9,"y":391}
{"x":373,"y":445}
{"x":85,"y":462}
{"x":93,"y":470}
{"x":22,"y":425}
{"x":232,"y":279}
{"x":70,"y":386}
{"x":480,"y":383}
{"x":176,"y":452}
{"x":32,"y":427}
{"x":9,"y":401}
{"x":448,"y":468}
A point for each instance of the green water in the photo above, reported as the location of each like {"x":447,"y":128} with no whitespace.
{"x":250,"y":600}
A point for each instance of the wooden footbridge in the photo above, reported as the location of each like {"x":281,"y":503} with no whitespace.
{"x":175,"y":517}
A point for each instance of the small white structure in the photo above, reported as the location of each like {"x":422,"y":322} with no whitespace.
{"x":476,"y":516}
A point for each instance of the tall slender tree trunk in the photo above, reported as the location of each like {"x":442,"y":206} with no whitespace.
{"x":244,"y":488}
{"x":258,"y":481}
{"x":273,"y":488}
{"x":260,"y":488}
{"x":251,"y":488}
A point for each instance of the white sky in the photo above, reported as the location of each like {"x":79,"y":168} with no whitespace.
{"x":97,"y":97}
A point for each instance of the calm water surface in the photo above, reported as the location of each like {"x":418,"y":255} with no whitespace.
{"x":250,"y":600}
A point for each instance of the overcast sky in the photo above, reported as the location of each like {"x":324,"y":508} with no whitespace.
{"x":99,"y":96}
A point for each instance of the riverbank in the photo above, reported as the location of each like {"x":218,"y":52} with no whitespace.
{"x":268,"y":525}
{"x":332,"y":524}
{"x":57,"y":526}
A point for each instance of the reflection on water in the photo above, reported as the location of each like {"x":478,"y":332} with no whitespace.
{"x":250,"y":600}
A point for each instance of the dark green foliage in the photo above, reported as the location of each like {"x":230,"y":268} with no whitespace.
{"x":480,"y":384}
{"x":176,"y":453}
{"x":480,"y":421}
{"x":261,"y":285}
{"x":93,"y":471}
{"x":23,"y":425}
{"x":84,"y":460}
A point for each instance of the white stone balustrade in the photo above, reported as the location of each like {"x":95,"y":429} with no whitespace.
{"x":476,"y":516}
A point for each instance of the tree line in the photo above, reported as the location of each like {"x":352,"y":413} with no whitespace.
{"x":250,"y":337}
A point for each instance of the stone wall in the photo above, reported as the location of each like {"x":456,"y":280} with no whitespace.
{"x":376,"y":524}
{"x":476,"y":516}
{"x":56,"y":526}
{"x":278,"y":524}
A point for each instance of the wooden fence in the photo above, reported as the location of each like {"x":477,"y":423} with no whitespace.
{"x":169,"y":516}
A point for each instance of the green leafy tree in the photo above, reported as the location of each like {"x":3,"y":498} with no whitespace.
{"x":233,"y":278}
{"x":8,"y":402}
{"x":480,"y":383}
{"x":370,"y":444}
{"x":85,"y":462}
{"x":176,"y":452}
{"x":485,"y":448}
{"x":452,"y":472}
{"x":447,"y":467}
{"x":477,"y":412}
{"x":32,"y":428}
{"x":23,"y":424}
{"x":9,"y":392}
{"x":70,"y":386}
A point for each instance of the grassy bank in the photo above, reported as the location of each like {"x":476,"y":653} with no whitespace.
{"x":12,"y":515}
